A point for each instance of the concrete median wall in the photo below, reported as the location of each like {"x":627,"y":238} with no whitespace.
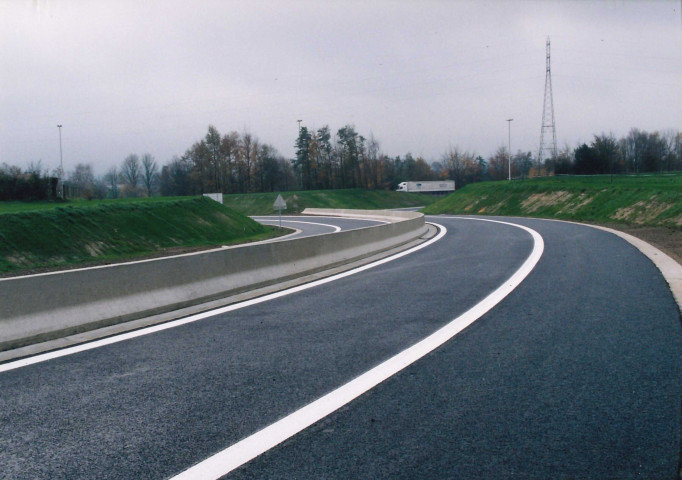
{"x":41,"y":307}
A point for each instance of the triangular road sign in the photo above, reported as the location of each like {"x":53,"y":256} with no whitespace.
{"x":280,"y":204}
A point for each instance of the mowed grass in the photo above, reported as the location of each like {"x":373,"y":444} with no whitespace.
{"x":58,"y":235}
{"x":15,"y":207}
{"x":262,"y":203}
{"x":642,"y":200}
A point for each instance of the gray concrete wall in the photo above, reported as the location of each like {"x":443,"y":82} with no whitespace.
{"x":41,"y":307}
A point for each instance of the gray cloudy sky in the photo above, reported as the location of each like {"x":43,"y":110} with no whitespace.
{"x":421,"y":76}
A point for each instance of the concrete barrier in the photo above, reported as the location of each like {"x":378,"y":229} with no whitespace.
{"x":46,"y":306}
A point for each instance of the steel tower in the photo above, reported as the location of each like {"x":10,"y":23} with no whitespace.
{"x":547,"y":143}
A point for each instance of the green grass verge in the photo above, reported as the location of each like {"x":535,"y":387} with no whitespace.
{"x":56,"y":235}
{"x":262,"y":203}
{"x":644,"y":200}
{"x":15,"y":207}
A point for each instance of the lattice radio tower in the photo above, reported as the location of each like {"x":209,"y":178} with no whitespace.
{"x":548,"y":125}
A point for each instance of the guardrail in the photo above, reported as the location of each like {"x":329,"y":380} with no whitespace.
{"x":41,"y":307}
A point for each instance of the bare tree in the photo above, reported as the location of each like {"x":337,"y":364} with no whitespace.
{"x":36,"y":168}
{"x":249,"y":146}
{"x":131,"y":172}
{"x":498,"y":164}
{"x":111,"y":179}
{"x":82,"y":176}
{"x":150,"y":173}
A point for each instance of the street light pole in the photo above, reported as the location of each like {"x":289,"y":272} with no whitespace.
{"x":61,"y":162}
{"x":509,"y":120}
{"x":299,"y":126}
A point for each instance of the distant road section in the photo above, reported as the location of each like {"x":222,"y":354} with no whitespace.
{"x":309,"y":226}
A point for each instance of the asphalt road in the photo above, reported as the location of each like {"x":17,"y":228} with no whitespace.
{"x":576,"y":374}
{"x":307,"y":226}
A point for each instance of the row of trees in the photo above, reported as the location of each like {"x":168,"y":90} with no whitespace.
{"x":230,"y":163}
{"x":240,"y":163}
{"x":136,"y":176}
{"x":349,"y":160}
{"x":638,"y":152}
{"x":26,"y":185}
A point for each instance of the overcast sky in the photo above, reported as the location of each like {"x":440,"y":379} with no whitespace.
{"x":421,"y":76}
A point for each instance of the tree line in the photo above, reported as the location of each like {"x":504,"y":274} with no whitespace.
{"x":638,"y":152}
{"x":26,"y":185}
{"x":241,"y":163}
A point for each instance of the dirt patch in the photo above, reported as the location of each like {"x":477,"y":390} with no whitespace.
{"x":493,"y":209}
{"x":475,"y":204}
{"x":582,"y":200}
{"x":94,"y":249}
{"x":539,"y":200}
{"x":641,"y":212}
{"x":17,"y":260}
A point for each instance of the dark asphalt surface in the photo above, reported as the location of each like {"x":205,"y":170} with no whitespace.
{"x":575,"y":375}
{"x":316,"y":225}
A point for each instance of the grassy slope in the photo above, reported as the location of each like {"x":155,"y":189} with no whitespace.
{"x":58,"y":235}
{"x":47,"y":235}
{"x":16,"y":207}
{"x":262,"y":203}
{"x":648,"y":207}
{"x":643,"y":200}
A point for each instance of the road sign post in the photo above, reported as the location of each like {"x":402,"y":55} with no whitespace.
{"x":280,"y":205}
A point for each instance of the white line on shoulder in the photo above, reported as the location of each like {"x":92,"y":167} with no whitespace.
{"x":258,"y":443}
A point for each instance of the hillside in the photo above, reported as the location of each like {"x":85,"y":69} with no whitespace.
{"x":262,"y":203}
{"x":646,"y":206}
{"x":100,"y":232}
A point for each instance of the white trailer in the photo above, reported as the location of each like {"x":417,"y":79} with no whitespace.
{"x":441,"y":186}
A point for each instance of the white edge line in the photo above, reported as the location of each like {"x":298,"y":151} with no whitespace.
{"x":24,"y":362}
{"x":336,"y":228}
{"x":258,"y":443}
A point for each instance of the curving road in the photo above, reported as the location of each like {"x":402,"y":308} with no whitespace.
{"x":575,"y":374}
{"x":307,"y":226}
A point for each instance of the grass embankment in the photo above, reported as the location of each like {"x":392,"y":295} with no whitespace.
{"x":40,"y":236}
{"x":648,"y":206}
{"x":262,"y":203}
{"x":16,"y":207}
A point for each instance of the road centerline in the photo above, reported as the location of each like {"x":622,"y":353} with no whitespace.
{"x":272,"y":435}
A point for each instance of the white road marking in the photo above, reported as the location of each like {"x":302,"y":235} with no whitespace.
{"x":276,"y":221}
{"x":200,"y":316}
{"x":258,"y":443}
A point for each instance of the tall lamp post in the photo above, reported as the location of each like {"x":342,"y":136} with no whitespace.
{"x":61,"y":162}
{"x":509,"y":120}
{"x":300,"y":172}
